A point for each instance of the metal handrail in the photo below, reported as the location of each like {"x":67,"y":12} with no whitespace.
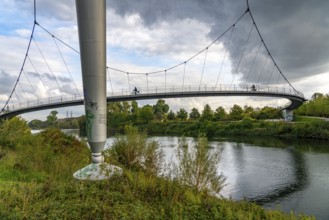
{"x":161,"y":90}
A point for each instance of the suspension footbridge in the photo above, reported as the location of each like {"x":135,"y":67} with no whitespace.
{"x":212,"y":71}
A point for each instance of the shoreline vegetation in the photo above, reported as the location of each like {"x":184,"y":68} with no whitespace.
{"x":36,"y":180}
{"x":158,"y":119}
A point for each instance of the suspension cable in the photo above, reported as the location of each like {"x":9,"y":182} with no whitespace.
{"x":20,"y":73}
{"x":47,"y":64}
{"x":252,"y":64}
{"x":20,"y":84}
{"x":204,"y":64}
{"x":67,"y":68}
{"x":222,"y":64}
{"x":182,"y":63}
{"x":244,"y":49}
{"x":75,"y":50}
{"x":267,"y":47}
{"x":108,"y":75}
{"x":128,"y":81}
{"x":17,"y":97}
{"x":165,"y":81}
{"x":39,"y":76}
{"x":30,"y":84}
{"x":271,"y":75}
{"x":261,"y":72}
{"x":184,"y":76}
{"x":147,"y":82}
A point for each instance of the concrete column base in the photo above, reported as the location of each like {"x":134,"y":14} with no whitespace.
{"x":97,"y":171}
{"x":287,"y":115}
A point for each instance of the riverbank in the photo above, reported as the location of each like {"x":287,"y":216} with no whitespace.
{"x":247,"y":127}
{"x":36,"y":183}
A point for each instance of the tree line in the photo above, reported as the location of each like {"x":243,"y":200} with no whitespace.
{"x":53,"y":121}
{"x":123,"y":113}
{"x":318,"y":106}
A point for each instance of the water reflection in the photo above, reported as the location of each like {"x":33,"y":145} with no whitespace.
{"x":289,"y":174}
{"x":297,"y":182}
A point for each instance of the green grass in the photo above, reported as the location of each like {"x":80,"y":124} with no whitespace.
{"x":307,"y":119}
{"x":36,"y":183}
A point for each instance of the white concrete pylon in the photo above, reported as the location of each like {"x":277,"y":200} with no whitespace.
{"x":91,"y":16}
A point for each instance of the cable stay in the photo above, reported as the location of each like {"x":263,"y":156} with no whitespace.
{"x":147,"y":82}
{"x":34,"y":92}
{"x":22,"y":88}
{"x":108,"y":75}
{"x":268,"y":82}
{"x":184,"y":75}
{"x":128,"y":81}
{"x":222,"y":64}
{"x":244,"y":49}
{"x":265,"y":66}
{"x":39,"y":76}
{"x":204,"y":64}
{"x":252,"y":18}
{"x":67,"y":68}
{"x":20,"y":73}
{"x":252,"y":64}
{"x":60,"y":89}
{"x":261,"y":72}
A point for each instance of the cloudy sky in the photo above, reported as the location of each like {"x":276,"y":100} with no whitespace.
{"x":149,"y":35}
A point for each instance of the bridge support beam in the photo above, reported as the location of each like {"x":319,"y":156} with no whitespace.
{"x":287,"y":115}
{"x":91,"y":15}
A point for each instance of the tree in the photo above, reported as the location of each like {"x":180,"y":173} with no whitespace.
{"x":13,"y":131}
{"x":248,"y":110}
{"x":119,"y":107}
{"x":269,"y":113}
{"x":52,"y":118}
{"x":171,"y":115}
{"x":134,"y":107}
{"x":236,"y":112}
{"x":182,"y":114}
{"x":317,"y":95}
{"x":207,"y":113}
{"x":194,"y":114}
{"x":160,"y":108}
{"x":36,"y":124}
{"x":146,"y":114}
{"x":220,"y":114}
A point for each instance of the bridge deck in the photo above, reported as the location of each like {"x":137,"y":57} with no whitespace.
{"x":158,"y":93}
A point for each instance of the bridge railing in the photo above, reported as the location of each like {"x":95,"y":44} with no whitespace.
{"x":160,"y":90}
{"x":41,"y":102}
{"x":204,"y":88}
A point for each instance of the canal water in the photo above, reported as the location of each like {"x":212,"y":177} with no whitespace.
{"x":275,"y":173}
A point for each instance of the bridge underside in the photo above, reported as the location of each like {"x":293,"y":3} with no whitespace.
{"x":295,"y":101}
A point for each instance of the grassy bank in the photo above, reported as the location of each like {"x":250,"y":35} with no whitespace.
{"x":315,"y":129}
{"x":36,"y":183}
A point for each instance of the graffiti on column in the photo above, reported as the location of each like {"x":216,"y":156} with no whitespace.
{"x":90,"y":116}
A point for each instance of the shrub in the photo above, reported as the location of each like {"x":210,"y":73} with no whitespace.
{"x":13,"y":131}
{"x":197,"y":166}
{"x":134,"y":152}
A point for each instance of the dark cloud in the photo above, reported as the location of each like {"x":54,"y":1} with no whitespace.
{"x":7,"y":82}
{"x":33,"y":74}
{"x":69,"y":89}
{"x":63,"y":10}
{"x":50,"y":77}
{"x":296,"y":32}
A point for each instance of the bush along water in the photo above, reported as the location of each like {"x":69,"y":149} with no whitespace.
{"x":36,"y":181}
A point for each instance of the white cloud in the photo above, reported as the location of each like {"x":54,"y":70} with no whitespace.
{"x":139,"y":40}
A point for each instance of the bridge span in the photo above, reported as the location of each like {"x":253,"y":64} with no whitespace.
{"x":296,"y":99}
